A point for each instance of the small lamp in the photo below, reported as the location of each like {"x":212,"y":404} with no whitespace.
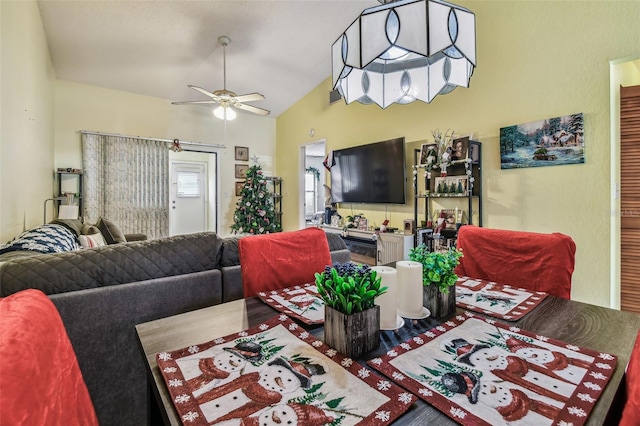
{"x":68,"y":212}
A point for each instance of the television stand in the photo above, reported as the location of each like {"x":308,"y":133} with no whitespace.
{"x":373,"y":248}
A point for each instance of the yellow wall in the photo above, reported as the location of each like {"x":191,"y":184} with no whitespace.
{"x":534,"y":62}
{"x":82,"y":107}
{"x":26,"y":119}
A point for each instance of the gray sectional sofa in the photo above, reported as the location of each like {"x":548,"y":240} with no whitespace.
{"x":102,"y":293}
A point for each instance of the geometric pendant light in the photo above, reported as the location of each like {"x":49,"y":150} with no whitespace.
{"x":404,"y":51}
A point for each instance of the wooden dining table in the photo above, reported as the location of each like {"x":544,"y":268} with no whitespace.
{"x":597,"y":328}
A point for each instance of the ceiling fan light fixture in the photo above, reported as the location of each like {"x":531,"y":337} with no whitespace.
{"x":226,"y":98}
{"x":224,"y":113}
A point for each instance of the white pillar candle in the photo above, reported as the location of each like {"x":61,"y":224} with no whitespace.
{"x":410,"y":289}
{"x":388,"y":302}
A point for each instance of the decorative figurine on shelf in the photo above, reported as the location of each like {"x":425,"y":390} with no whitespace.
{"x":446,"y":158}
{"x":327,"y":195}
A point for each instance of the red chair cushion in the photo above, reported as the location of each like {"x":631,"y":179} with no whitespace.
{"x":631,"y":411}
{"x":538,"y":262}
{"x":40,"y":381}
{"x":275,"y":261}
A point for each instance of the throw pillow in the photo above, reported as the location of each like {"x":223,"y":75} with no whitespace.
{"x":110,"y":231}
{"x":89,"y":230}
{"x":91,"y":241}
{"x":73,"y":224}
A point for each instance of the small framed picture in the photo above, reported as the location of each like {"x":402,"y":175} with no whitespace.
{"x":242,"y":153}
{"x":428,"y":154}
{"x":451,"y":185}
{"x":241,"y":171}
{"x":460,"y":149}
{"x":239,"y":186}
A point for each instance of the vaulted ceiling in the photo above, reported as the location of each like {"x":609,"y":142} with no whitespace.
{"x":281,"y":49}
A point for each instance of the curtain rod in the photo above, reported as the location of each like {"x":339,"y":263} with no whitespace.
{"x":87,"y":132}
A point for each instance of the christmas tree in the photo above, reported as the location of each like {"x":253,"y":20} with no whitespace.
{"x":255,"y":212}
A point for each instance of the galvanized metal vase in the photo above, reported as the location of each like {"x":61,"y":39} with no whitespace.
{"x":441,"y":305}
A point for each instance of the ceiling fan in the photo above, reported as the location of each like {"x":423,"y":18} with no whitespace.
{"x":226,"y":98}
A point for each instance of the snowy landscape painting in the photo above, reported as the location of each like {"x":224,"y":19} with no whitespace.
{"x":551,"y":142}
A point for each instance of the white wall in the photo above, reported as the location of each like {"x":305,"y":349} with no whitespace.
{"x":26,"y":119}
{"x":83,"y":107}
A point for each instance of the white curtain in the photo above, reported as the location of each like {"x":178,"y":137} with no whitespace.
{"x":126,"y":180}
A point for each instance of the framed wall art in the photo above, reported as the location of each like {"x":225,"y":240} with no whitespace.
{"x":239,"y":186}
{"x":242,"y":153}
{"x":550,"y":142}
{"x":460,"y":149}
{"x":451,"y":185}
{"x":429,"y":154}
{"x":241,"y":171}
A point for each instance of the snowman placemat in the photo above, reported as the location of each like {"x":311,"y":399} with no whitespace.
{"x":277,"y":374}
{"x":497,"y":300}
{"x":301,"y":301}
{"x":482,"y":372}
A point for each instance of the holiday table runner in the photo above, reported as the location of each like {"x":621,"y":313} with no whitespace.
{"x":497,"y":300}
{"x":478,"y":371}
{"x":302,"y":302}
{"x":277,"y":374}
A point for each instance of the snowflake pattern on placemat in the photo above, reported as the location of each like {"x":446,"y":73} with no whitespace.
{"x":277,"y":370}
{"x":479,"y":371}
{"x":301,"y":302}
{"x":498,"y":300}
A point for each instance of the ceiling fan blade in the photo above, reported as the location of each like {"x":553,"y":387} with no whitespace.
{"x":195,"y":102}
{"x":204,"y":92}
{"x":252,"y":109}
{"x":250,"y":97}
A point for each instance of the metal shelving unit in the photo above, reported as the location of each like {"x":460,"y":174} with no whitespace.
{"x":424,"y":185}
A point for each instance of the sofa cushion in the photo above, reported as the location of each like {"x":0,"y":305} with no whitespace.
{"x":89,"y":230}
{"x":91,"y":241}
{"x":111,"y":265}
{"x":229,"y":255}
{"x":74,"y":225}
{"x":336,"y":242}
{"x":112,"y":234}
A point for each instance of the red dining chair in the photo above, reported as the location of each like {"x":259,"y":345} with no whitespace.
{"x":631,"y":411}
{"x":40,"y":380}
{"x":276,"y":261}
{"x":530,"y":260}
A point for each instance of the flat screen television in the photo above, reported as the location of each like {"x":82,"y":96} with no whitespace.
{"x":371,"y":173}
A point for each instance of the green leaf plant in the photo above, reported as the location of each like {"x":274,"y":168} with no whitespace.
{"x":437,"y":267}
{"x":348,"y":287}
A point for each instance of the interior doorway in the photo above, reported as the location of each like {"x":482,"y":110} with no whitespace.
{"x":312,"y":182}
{"x":624,"y":252}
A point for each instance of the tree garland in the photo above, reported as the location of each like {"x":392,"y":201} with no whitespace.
{"x":315,"y":172}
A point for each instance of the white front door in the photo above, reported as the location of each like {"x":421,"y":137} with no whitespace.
{"x":188,"y":201}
